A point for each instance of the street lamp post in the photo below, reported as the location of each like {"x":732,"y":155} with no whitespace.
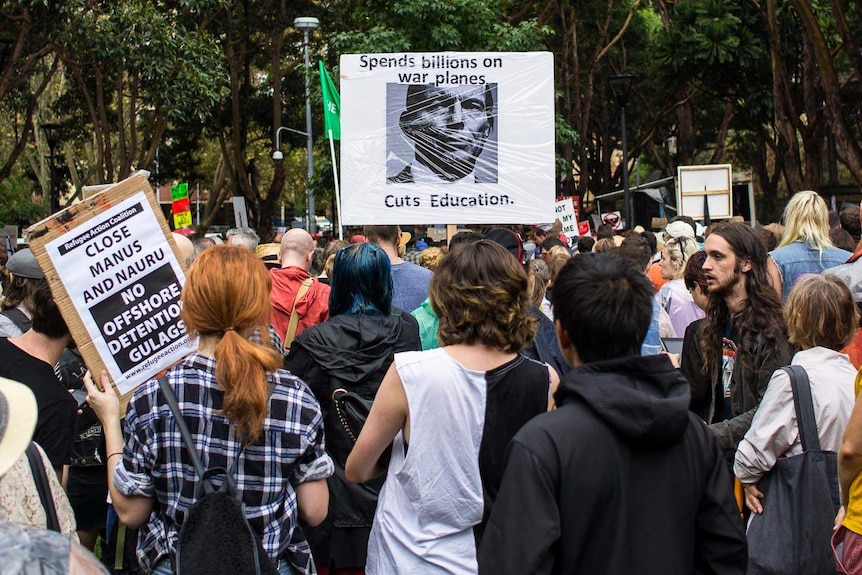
{"x":51,"y":136}
{"x":621,"y":85}
{"x":306,"y":25}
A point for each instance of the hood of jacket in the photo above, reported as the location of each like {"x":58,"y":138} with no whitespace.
{"x":644,"y":398}
{"x":352,"y":346}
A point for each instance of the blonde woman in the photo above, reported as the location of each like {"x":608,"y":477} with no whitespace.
{"x":805,"y":247}
{"x":674,"y":296}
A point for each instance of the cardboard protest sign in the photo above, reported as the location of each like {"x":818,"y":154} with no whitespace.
{"x":448,"y":137}
{"x":568,"y":216}
{"x":705,"y":191}
{"x":116,"y":275}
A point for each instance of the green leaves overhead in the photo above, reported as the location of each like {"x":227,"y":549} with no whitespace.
{"x":178,"y":67}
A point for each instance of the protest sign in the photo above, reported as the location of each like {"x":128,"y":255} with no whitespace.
{"x":584,"y":228}
{"x":614,"y":219}
{"x":705,"y":191}
{"x":568,"y":216}
{"x":447,"y":137}
{"x":180,"y":206}
{"x":116,"y":275}
{"x":240,"y":215}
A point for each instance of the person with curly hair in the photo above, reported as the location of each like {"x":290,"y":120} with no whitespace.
{"x":431,"y":258}
{"x":456,"y":407}
{"x":743,"y":337}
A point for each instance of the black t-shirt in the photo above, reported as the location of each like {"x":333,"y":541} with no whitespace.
{"x":55,"y":426}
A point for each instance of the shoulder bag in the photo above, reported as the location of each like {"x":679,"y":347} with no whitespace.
{"x":800,"y":500}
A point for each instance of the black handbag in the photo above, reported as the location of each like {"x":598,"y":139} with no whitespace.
{"x":800,"y":500}
{"x":352,"y":410}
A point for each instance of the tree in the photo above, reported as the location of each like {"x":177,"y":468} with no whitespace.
{"x":136,"y":66}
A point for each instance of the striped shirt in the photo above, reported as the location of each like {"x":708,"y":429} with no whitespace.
{"x":155,"y":463}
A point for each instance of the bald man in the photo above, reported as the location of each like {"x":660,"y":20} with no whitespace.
{"x":187,"y":248}
{"x":311,"y":307}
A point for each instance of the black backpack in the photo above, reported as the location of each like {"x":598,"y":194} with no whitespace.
{"x":215,"y":536}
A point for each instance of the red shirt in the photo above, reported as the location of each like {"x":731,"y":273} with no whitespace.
{"x":313,"y":308}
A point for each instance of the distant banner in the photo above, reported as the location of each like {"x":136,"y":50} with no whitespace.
{"x":447,"y":137}
{"x":567,"y":214}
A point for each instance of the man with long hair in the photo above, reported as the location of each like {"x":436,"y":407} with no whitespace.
{"x":743,"y":338}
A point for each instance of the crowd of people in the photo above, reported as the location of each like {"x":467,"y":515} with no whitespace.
{"x":526,"y":411}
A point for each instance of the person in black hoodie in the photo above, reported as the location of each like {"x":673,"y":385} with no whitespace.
{"x":352,"y":350}
{"x":620,"y":478}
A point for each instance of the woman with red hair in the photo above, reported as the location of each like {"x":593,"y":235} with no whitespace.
{"x":243,"y":413}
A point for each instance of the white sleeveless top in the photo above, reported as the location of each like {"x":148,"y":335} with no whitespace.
{"x":432,"y":497}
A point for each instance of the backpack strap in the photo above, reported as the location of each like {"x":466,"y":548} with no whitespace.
{"x":805,"y":419}
{"x":294,"y":315}
{"x":184,"y":430}
{"x":19,"y":318}
{"x":37,"y":467}
{"x":203,"y":473}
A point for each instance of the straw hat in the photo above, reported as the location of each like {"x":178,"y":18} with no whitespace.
{"x":268,"y":254}
{"x":18,"y":415}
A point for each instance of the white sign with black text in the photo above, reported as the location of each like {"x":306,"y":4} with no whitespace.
{"x":125,"y":282}
{"x":448,"y":137}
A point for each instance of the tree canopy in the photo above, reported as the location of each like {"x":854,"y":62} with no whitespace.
{"x":195,"y":89}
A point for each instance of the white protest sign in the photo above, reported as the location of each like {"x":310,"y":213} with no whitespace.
{"x":614,"y":219}
{"x":565,"y":212}
{"x":448,"y":137}
{"x":705,"y":187}
{"x":240,"y":214}
{"x":122,"y":282}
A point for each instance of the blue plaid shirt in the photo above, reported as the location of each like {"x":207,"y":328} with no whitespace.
{"x":155,"y":462}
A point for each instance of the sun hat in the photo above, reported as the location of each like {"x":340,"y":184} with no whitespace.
{"x":18,"y":415}
{"x":679,"y":229}
{"x":268,"y":254}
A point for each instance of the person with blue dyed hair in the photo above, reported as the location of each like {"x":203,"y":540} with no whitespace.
{"x":352,"y":350}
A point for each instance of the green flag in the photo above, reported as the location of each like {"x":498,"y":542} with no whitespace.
{"x":331,"y":104}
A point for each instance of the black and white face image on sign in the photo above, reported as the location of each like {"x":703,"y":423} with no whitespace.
{"x":441,"y":134}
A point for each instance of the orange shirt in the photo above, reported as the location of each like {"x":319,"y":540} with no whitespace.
{"x":854,"y":349}
{"x":654,"y":274}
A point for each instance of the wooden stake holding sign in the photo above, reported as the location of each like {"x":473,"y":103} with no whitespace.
{"x":116,"y":275}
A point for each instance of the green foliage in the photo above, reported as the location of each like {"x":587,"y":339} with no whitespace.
{"x":434,"y":25}
{"x":17,"y":204}
{"x":178,"y":67}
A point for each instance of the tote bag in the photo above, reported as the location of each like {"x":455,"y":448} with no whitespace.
{"x":800,"y":500}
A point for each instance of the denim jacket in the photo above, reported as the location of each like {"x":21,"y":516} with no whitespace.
{"x":797,"y":259}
